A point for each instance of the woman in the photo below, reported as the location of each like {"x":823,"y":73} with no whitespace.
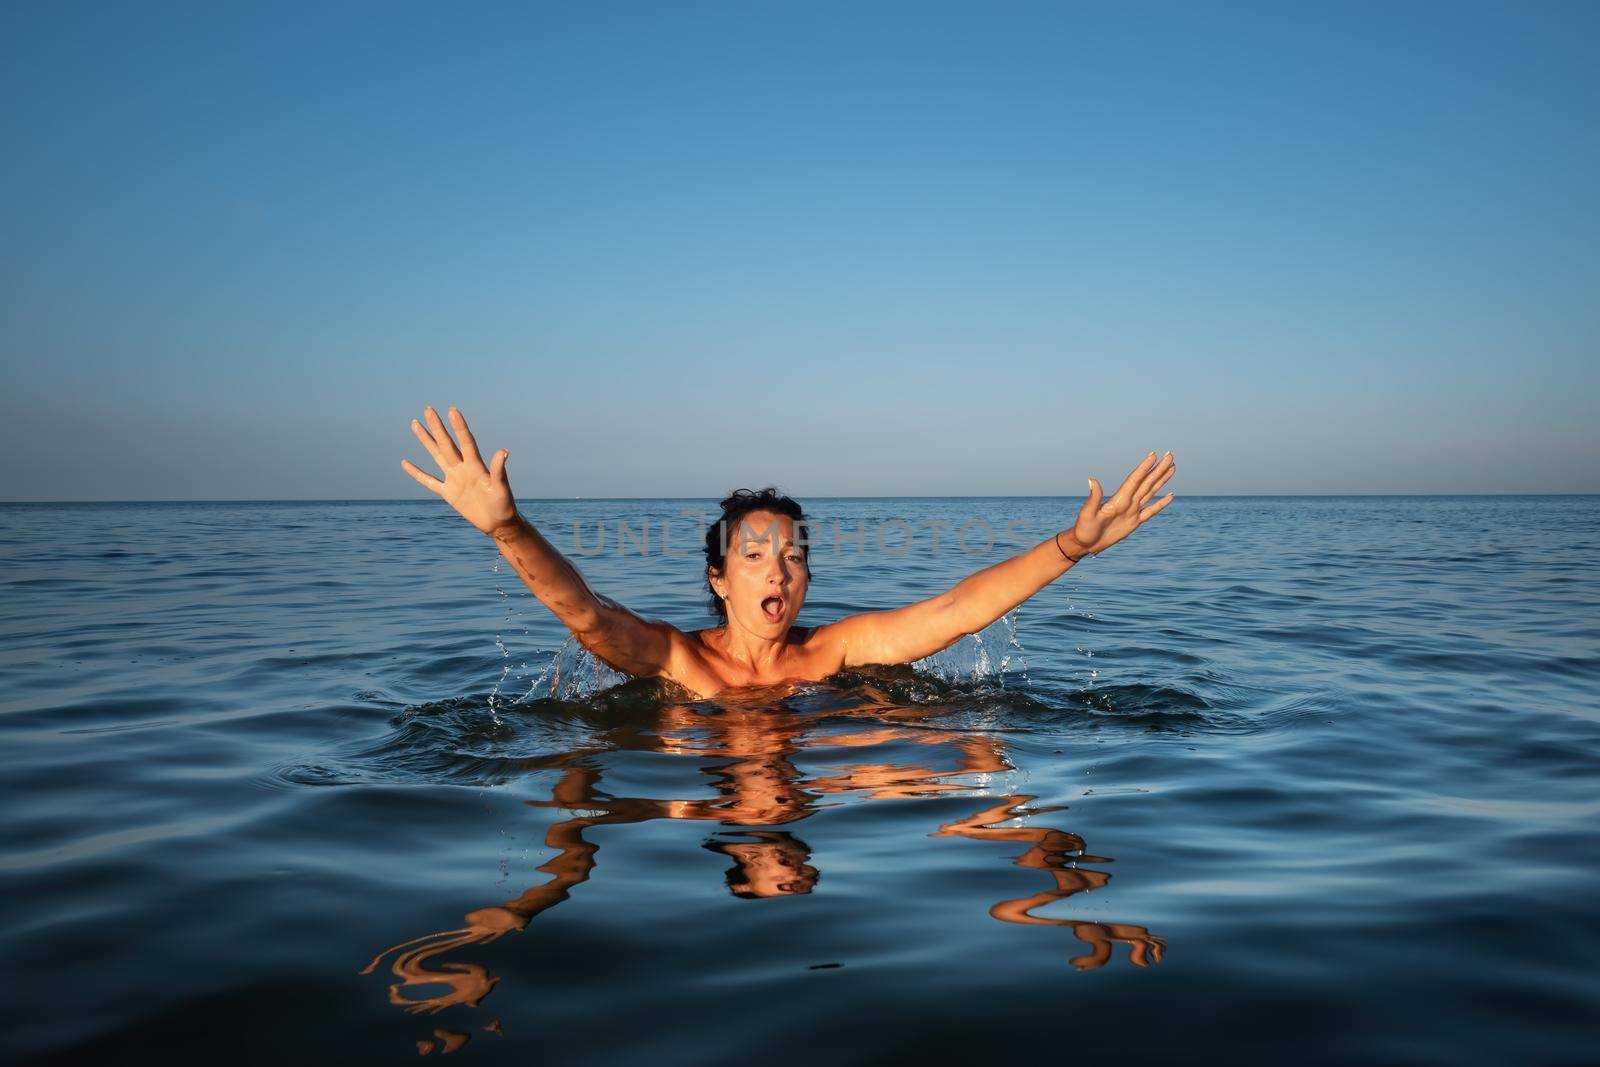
{"x":758,"y":575}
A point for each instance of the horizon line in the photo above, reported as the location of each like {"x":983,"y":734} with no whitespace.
{"x":809,"y":496}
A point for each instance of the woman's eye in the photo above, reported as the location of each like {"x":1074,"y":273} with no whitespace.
{"x":752,"y":555}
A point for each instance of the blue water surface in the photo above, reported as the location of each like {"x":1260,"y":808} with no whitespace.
{"x":1290,"y":779}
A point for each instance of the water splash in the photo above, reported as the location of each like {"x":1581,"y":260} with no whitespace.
{"x":1088,"y":653}
{"x":983,"y":658}
{"x":572,"y":673}
{"x":499,"y":642}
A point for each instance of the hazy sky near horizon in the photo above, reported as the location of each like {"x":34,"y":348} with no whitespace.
{"x":665,"y":249}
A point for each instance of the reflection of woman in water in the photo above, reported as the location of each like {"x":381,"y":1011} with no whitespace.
{"x":751,"y":757}
{"x":758,"y":579}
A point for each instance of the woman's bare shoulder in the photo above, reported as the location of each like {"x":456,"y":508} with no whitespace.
{"x":702,"y":647}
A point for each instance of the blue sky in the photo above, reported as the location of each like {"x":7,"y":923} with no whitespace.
{"x":670,"y":248}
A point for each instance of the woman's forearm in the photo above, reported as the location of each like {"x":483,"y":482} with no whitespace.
{"x":981,"y":598}
{"x":615,"y":635}
{"x":548,"y":574}
{"x":482,"y":495}
{"x":908,"y":634}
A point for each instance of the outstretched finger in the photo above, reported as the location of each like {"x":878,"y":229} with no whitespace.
{"x":1153,"y":485}
{"x":1091,"y":507}
{"x":447,"y":444}
{"x":469,"y":444}
{"x":422,"y":477}
{"x":430,"y":444}
{"x":497,"y":466}
{"x":1125,"y":490}
{"x":1157,"y":506}
{"x":1148,"y":484}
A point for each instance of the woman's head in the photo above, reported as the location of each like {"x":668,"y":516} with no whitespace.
{"x":757,"y":552}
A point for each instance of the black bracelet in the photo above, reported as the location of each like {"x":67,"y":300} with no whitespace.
{"x":1070,"y":559}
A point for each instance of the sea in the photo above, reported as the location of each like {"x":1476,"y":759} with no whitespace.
{"x":1285,"y":779}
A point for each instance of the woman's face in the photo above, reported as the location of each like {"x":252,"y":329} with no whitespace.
{"x":763,"y":579}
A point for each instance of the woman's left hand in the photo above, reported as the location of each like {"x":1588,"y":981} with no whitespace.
{"x":1102,"y":523}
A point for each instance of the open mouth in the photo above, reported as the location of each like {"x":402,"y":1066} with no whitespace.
{"x":772,"y":608}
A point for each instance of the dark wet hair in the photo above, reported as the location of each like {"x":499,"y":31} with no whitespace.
{"x":735,"y":507}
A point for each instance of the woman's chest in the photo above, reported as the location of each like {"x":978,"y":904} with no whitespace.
{"x":708,"y":672}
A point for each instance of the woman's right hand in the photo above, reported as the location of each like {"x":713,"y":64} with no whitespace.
{"x":481,"y":494}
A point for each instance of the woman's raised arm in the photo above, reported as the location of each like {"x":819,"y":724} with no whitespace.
{"x":907,"y":634}
{"x":482,"y":496}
